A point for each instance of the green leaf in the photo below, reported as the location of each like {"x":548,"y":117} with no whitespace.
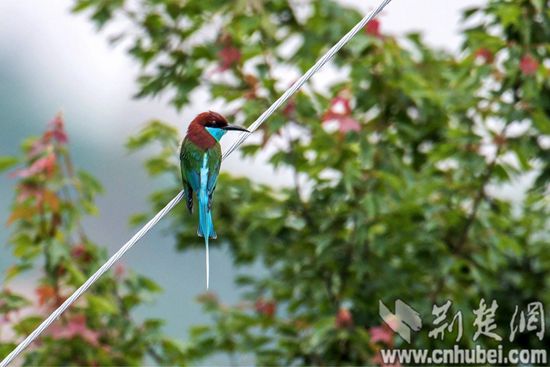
{"x":148,"y":284}
{"x":11,"y":302}
{"x":6,"y":162}
{"x":15,"y":270}
{"x":5,"y":349}
{"x":27,"y":325}
{"x":137,"y":219}
{"x":541,"y":121}
{"x":102,"y":305}
{"x":90,"y":183}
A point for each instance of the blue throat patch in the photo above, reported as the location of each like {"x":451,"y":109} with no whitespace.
{"x":217,"y":133}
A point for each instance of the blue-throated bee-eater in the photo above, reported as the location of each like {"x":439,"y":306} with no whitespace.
{"x":200,"y":160}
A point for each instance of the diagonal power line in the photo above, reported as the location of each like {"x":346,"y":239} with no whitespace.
{"x":242,"y":137}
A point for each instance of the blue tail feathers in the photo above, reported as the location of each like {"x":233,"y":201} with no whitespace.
{"x":206,"y":226}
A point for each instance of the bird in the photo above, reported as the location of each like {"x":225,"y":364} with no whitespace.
{"x":200,"y":161}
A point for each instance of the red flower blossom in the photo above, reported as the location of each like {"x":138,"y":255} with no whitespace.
{"x":119,"y":270}
{"x":344,"y":319}
{"x":38,"y":147}
{"x":339,"y":106}
{"x":290,"y":108}
{"x":528,"y":65}
{"x":44,"y":165}
{"x":340,"y":111}
{"x":373,"y":28}
{"x":57,"y":130}
{"x":484,"y":54}
{"x":80,"y":252}
{"x":75,"y":327}
{"x":381,"y":334}
{"x":27,"y":191}
{"x":349,"y":124}
{"x":45,"y":293}
{"x":266,"y":308}
{"x":229,"y":55}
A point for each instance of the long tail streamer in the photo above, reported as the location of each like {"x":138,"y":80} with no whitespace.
{"x":206,"y":239}
{"x":242,"y":137}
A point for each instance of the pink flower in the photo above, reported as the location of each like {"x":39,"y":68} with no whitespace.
{"x":290,"y":108}
{"x":349,"y":124}
{"x":30,"y":191}
{"x":340,"y":111}
{"x":78,"y":250}
{"x":373,"y":28}
{"x":528,"y":65}
{"x":44,"y":165}
{"x":339,"y":106}
{"x":266,"y":308}
{"x":229,"y":56}
{"x":57,"y":129}
{"x":75,"y":327}
{"x":344,"y":319}
{"x":484,"y":54}
{"x":381,"y":334}
{"x":119,"y":270}
{"x":38,"y":147}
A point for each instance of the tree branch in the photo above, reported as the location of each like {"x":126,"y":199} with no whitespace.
{"x":480,"y":195}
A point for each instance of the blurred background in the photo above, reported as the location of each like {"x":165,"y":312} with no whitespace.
{"x":52,"y":60}
{"x":415,"y":166}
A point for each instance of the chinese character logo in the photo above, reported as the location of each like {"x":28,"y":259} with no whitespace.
{"x":532,"y":320}
{"x":441,"y":324}
{"x":403,"y":321}
{"x":485,"y":320}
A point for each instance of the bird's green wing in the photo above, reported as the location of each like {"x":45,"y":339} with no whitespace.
{"x":214,"y":163}
{"x":190,"y":164}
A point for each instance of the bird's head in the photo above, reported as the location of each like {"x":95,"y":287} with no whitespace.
{"x":213,"y":123}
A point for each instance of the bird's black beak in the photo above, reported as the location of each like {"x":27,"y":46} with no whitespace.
{"x":234,"y":128}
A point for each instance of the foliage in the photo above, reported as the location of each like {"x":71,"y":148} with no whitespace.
{"x":47,"y":236}
{"x":397,"y":168}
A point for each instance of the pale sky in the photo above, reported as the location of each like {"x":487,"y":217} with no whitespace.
{"x":68,"y":65}
{"x":62,"y":51}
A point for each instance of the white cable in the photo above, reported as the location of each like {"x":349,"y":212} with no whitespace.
{"x":242,"y":137}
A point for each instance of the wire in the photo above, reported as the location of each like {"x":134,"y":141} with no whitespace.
{"x":242,"y":137}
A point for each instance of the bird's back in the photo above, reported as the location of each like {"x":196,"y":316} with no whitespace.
{"x":192,"y":158}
